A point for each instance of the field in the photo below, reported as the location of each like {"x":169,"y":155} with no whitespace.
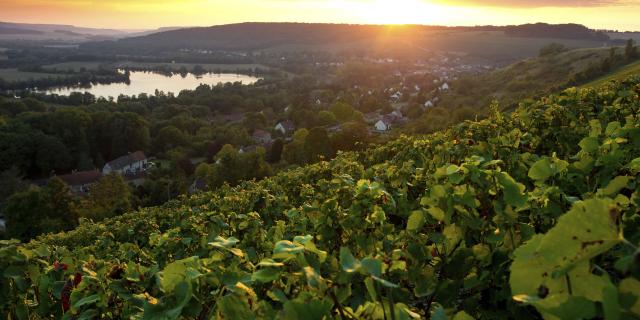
{"x":619,"y":74}
{"x":73,"y":66}
{"x":12,"y":75}
{"x":189,"y":66}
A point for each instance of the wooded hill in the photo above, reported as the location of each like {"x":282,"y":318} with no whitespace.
{"x":262,"y":36}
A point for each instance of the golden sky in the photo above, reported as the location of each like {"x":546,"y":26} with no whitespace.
{"x":144,"y":14}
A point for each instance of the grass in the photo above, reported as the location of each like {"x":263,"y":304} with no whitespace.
{"x":13,"y":75}
{"x":618,"y":74}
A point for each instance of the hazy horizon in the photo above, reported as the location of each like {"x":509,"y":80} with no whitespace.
{"x":153,"y":14}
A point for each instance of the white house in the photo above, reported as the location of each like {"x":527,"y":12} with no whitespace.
{"x":444,"y":87}
{"x":285,"y":127}
{"x":383,"y":125}
{"x":428,"y":104}
{"x":131,"y":163}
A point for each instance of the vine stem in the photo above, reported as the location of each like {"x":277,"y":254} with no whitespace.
{"x":627,"y":242}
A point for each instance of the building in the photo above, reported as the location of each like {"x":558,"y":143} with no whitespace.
{"x":428,"y":104}
{"x":383,"y":125}
{"x":285,"y":127}
{"x":261,"y":136}
{"x":445,"y":87}
{"x":80,"y":182}
{"x":130,"y":164}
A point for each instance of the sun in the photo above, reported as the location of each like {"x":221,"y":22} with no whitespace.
{"x":398,"y":12}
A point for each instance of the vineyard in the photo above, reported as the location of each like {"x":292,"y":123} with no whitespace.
{"x":524,"y":215}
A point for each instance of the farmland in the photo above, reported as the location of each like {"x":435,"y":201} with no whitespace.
{"x":14,"y":75}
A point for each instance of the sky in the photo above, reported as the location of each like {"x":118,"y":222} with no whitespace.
{"x":149,"y":14}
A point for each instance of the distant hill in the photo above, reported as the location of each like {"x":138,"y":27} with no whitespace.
{"x":58,"y":27}
{"x":560,"y":31}
{"x":517,"y":41}
{"x":65,"y":33}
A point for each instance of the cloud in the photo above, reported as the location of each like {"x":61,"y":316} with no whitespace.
{"x":536,"y":3}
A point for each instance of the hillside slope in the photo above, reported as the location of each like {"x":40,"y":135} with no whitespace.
{"x":616,"y":75}
{"x":529,"y":78}
{"x":420,"y":227}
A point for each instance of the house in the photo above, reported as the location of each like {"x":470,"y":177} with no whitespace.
{"x":285,"y":127}
{"x":445,"y":87}
{"x":383,"y":124}
{"x":131,"y":163}
{"x":80,"y":182}
{"x":428,"y":104}
{"x":261,"y":136}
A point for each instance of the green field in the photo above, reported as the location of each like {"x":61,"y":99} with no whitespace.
{"x":619,"y":74}
{"x":13,"y":75}
{"x":73,"y":66}
{"x":189,"y":66}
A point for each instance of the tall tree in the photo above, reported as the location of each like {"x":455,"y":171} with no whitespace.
{"x":109,"y":197}
{"x":40,"y":210}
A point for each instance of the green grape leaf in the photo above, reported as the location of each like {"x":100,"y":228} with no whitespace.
{"x":312,"y":310}
{"x":610,"y":302}
{"x":265,"y":275}
{"x":589,"y":144}
{"x":629,"y":290}
{"x":634,"y":165}
{"x":371,"y":266}
{"x":416,"y":221}
{"x":86,"y":300}
{"x":557,"y":263}
{"x":618,"y":183}
{"x":541,"y":170}
{"x":513,"y":191}
{"x":348,"y":262}
{"x":463,"y":316}
{"x":233,"y":307}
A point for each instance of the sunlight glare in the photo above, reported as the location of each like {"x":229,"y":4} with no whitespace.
{"x":399,"y":12}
